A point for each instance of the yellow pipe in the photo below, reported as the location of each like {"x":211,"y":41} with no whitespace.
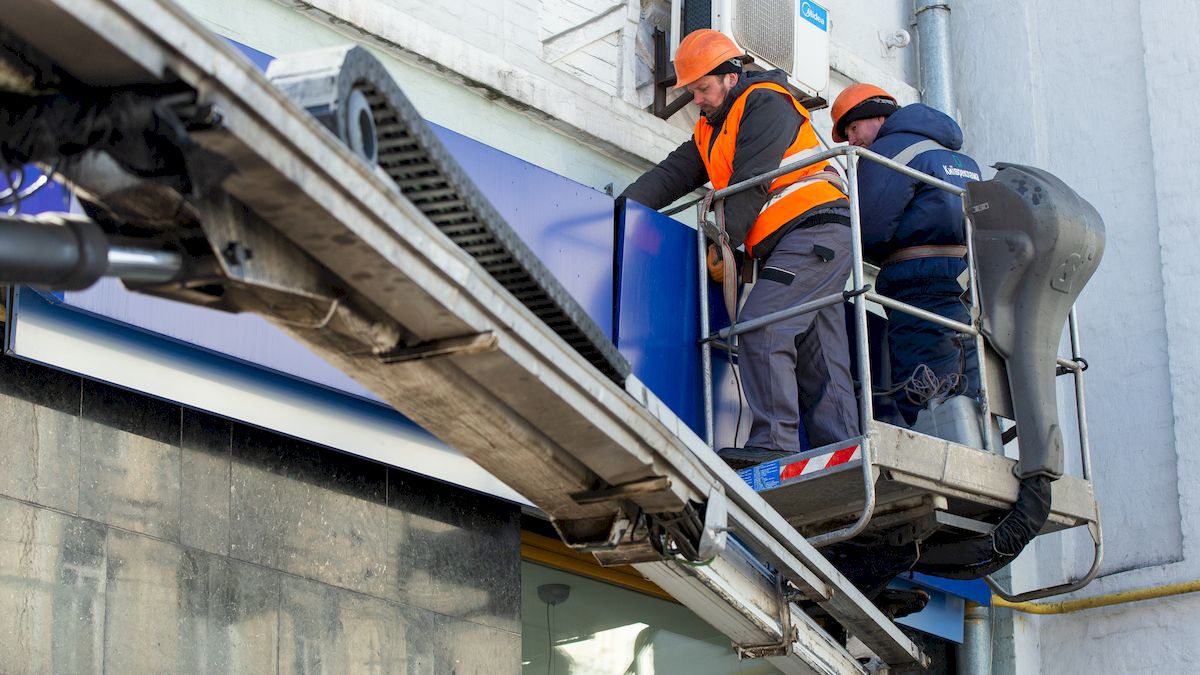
{"x":1069,"y":606}
{"x":554,"y":553}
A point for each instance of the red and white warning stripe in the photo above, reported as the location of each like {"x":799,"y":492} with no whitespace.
{"x":818,"y":463}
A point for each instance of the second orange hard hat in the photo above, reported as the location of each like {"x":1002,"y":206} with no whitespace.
{"x":848,"y":100}
{"x":700,"y":52}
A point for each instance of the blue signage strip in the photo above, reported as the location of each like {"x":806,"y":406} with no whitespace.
{"x":762,"y":477}
{"x":814,"y":14}
{"x":567,"y":225}
{"x":975,"y":590}
{"x":658,"y":307}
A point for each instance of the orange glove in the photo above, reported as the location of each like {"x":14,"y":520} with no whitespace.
{"x":716,"y":264}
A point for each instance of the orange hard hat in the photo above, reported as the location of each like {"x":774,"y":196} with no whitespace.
{"x":848,"y":100}
{"x":700,"y":52}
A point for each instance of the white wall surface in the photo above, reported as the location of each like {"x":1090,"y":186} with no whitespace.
{"x":436,"y":89}
{"x":1096,"y":93}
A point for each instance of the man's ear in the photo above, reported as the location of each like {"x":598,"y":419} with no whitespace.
{"x":733,"y":82}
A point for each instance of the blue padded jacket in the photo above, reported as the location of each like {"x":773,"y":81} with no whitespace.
{"x":898,"y":211}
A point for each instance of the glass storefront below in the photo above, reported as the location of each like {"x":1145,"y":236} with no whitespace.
{"x":590,"y":627}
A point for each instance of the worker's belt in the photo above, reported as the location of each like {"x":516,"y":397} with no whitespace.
{"x":917,"y":252}
{"x":825,"y":218}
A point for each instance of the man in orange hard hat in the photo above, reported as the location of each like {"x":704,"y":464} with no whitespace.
{"x":795,"y":231}
{"x":915,"y":233}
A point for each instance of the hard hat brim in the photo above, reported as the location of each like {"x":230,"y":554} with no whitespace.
{"x":745,"y":59}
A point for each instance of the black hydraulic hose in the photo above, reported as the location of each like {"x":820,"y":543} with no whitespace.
{"x":65,"y":252}
{"x":978,"y":556}
{"x":870,"y":564}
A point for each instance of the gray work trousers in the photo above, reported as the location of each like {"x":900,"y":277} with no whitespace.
{"x":799,"y":366}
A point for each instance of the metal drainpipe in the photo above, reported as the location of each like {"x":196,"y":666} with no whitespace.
{"x":975,"y":657}
{"x":933,"y":41}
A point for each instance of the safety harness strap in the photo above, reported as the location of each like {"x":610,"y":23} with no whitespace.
{"x":910,"y":153}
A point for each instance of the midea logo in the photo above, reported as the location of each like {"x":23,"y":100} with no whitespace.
{"x":807,"y":11}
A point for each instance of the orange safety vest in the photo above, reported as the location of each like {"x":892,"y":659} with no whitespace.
{"x":784,"y":204}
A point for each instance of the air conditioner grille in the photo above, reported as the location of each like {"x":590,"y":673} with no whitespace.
{"x":766,"y":28}
{"x":695,"y":14}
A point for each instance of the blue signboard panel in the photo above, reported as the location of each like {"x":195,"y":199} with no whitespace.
{"x":568,"y":226}
{"x":658,"y":308}
{"x":658,"y":319}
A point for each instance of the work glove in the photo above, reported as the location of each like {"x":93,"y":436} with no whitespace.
{"x":716,"y":265}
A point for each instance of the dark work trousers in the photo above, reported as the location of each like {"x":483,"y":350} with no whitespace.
{"x":913,"y":341}
{"x":799,"y":366}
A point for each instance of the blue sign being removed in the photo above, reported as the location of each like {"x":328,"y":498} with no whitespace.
{"x":814,"y":14}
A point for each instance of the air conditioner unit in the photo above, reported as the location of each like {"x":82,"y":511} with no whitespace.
{"x":792,"y":35}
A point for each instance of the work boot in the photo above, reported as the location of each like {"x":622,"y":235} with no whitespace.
{"x":900,"y":602}
{"x":741,"y":458}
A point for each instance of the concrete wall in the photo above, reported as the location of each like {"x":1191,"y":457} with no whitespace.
{"x":138,"y":537}
{"x":1098,"y":93}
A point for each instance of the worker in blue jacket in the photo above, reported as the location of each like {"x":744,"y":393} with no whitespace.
{"x":915,"y":233}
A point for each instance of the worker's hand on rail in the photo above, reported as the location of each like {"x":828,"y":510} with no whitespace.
{"x":716,"y":265}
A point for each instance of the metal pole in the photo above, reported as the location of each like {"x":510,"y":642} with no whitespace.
{"x":821,"y":157}
{"x":1068,"y":364}
{"x":975,"y":657}
{"x":866,"y":409}
{"x":705,"y":347}
{"x":933,"y":43}
{"x":862,"y":347}
{"x":1085,"y":450}
{"x":921,"y":313}
{"x":990,"y":442}
{"x":911,"y":172}
{"x":134,"y":264}
{"x":755,"y":324}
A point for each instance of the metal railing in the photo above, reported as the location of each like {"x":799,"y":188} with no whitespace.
{"x":861,"y":292}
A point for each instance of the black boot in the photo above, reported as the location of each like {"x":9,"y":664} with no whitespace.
{"x":741,"y":458}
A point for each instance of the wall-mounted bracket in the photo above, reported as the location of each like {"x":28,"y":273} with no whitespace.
{"x":664,"y":79}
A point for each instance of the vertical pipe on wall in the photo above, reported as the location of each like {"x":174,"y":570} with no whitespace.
{"x":933,"y":41}
{"x":975,"y":657}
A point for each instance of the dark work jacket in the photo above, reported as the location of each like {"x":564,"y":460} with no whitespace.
{"x":769,"y":126}
{"x":898,"y":212}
